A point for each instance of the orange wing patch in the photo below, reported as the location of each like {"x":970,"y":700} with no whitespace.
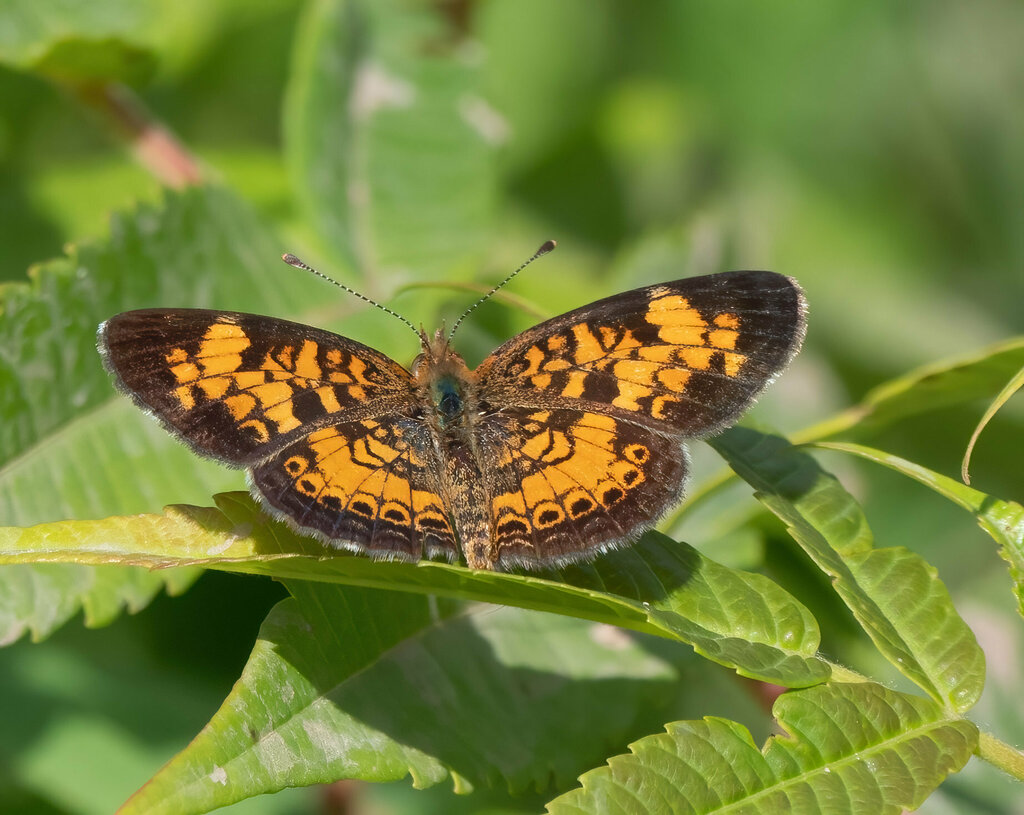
{"x":697,"y":339}
{"x":645,"y":365}
{"x":239,"y":386}
{"x":361,"y":484}
{"x":266,"y":393}
{"x":576,"y":480}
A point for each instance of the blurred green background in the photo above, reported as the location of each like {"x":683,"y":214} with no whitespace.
{"x":872,"y":150}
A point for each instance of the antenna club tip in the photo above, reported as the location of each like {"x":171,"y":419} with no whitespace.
{"x":546,"y":247}
{"x":291,"y":260}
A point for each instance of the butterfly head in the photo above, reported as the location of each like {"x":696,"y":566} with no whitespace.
{"x":436,"y":354}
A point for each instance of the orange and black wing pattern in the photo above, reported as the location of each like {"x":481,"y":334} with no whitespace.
{"x":686,"y":358}
{"x":573,"y":439}
{"x":564,"y":484}
{"x":371,"y":486}
{"x":588,"y":412}
{"x":236,"y":387}
{"x":323,"y":424}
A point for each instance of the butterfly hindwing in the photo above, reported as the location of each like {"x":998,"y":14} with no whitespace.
{"x":237,"y":387}
{"x":370,"y":485}
{"x":689,"y":356}
{"x":563,"y":483}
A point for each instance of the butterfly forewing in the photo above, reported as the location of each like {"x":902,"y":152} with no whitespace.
{"x":689,"y":356}
{"x":238,"y":387}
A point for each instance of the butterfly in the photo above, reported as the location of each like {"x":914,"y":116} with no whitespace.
{"x":566,"y":441}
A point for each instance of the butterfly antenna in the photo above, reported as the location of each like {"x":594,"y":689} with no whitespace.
{"x":546,"y":247}
{"x":291,"y":260}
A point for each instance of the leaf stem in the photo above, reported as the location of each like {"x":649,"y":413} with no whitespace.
{"x":831,"y":426}
{"x":841,"y":673}
{"x":154,"y":146}
{"x":1014,"y":385}
{"x":1002,"y":755}
{"x":825,"y":429}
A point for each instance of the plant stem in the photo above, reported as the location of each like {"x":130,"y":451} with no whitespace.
{"x":841,"y":673}
{"x":152,"y":144}
{"x":829,"y":427}
{"x":1002,"y":755}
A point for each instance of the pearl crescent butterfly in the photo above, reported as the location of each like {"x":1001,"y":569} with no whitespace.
{"x":567,"y":441}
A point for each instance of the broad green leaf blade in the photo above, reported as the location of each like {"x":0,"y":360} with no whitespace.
{"x":70,"y":446}
{"x":743,"y":621}
{"x":1014,"y":385}
{"x":104,"y":41}
{"x":360,"y":683}
{"x":932,"y":387}
{"x":978,"y":375}
{"x":388,"y":140}
{"x":859,"y":749}
{"x":38,"y":598}
{"x":894,"y":594}
{"x":78,"y":42}
{"x":1002,"y":520}
{"x":200,"y":248}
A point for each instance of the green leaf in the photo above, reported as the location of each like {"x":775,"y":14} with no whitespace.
{"x":849,"y":748}
{"x":77,"y":42}
{"x":1002,"y":520}
{"x":977,"y":375}
{"x":388,"y":139}
{"x":38,"y":598}
{"x":360,"y":683}
{"x":741,"y":620}
{"x":1014,"y":385}
{"x":944,"y":384}
{"x":894,"y":594}
{"x":201,"y":247}
{"x":89,"y":716}
{"x":103,"y":41}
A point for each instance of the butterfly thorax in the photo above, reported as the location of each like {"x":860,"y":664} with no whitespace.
{"x":444,"y":382}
